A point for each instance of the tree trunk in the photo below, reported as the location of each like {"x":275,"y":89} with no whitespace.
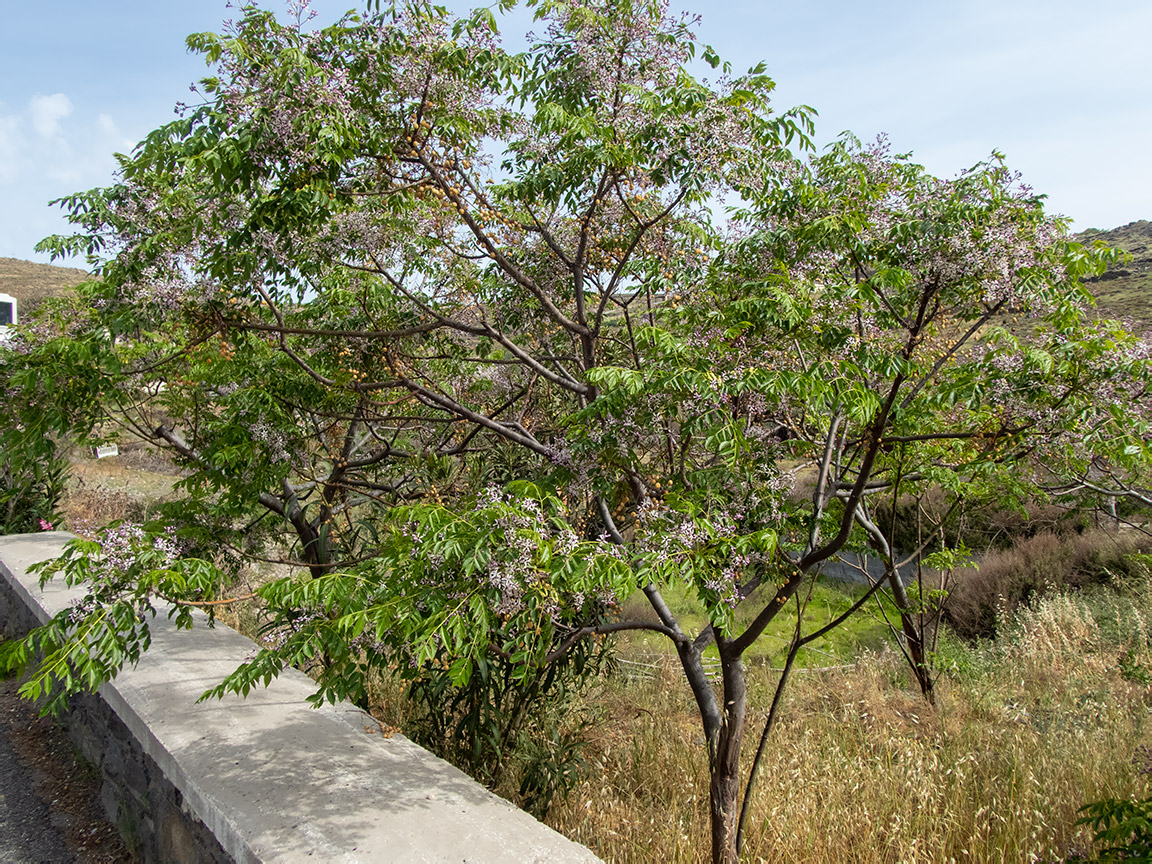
{"x":920,"y":668}
{"x":913,"y":638}
{"x":724,"y":784}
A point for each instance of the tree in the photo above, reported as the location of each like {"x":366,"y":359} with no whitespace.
{"x":387,"y":263}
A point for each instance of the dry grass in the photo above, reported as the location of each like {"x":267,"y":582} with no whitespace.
{"x":1027,"y":730}
{"x":1124,"y":290}
{"x":100,"y":491}
{"x":92,"y":499}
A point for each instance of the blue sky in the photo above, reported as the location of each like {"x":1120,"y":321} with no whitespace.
{"x":1065,"y":89}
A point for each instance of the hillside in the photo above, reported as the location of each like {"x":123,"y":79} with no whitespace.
{"x":1126,"y":290}
{"x":30,"y":283}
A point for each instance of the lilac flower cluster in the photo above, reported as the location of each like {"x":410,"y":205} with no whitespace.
{"x":273,"y":439}
{"x":514,"y":570}
{"x":522,"y":529}
{"x":666,"y":535}
{"x":30,"y":335}
{"x":121,"y":545}
{"x":294,"y":623}
{"x":82,"y":607}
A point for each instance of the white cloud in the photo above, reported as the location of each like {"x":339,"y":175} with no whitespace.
{"x":47,"y":112}
{"x":112,"y":133}
{"x":107,"y":125}
{"x":42,"y":158}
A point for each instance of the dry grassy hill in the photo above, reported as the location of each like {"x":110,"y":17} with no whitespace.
{"x":31,"y":283}
{"x":1125,"y":291}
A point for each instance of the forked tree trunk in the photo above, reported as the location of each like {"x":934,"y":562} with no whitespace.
{"x":913,"y":638}
{"x":724,"y":783}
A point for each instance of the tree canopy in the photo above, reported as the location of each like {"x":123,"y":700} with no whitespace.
{"x":483,"y":342}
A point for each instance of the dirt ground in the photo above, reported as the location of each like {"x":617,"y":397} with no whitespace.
{"x":67,"y":787}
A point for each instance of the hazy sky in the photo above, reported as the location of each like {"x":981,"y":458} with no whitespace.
{"x":1063,"y":88}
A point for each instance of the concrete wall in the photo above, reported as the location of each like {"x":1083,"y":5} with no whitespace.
{"x":265,"y":778}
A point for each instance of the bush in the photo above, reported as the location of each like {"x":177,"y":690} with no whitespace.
{"x":30,"y":500}
{"x":1007,"y":578}
{"x":499,"y":727}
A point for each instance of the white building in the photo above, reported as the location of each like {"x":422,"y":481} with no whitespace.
{"x":7,"y":315}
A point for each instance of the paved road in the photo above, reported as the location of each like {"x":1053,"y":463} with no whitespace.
{"x":27,"y":835}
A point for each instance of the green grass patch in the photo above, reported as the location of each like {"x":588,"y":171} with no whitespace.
{"x":865,"y":630}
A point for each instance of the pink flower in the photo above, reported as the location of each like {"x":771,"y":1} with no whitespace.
{"x":45,"y":525}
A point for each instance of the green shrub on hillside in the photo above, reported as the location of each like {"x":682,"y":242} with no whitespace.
{"x":1005,"y":579}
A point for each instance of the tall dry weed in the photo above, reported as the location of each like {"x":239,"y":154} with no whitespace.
{"x":88,"y":507}
{"x":1027,"y":730}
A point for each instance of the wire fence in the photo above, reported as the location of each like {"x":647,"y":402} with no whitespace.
{"x":661,"y":665}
